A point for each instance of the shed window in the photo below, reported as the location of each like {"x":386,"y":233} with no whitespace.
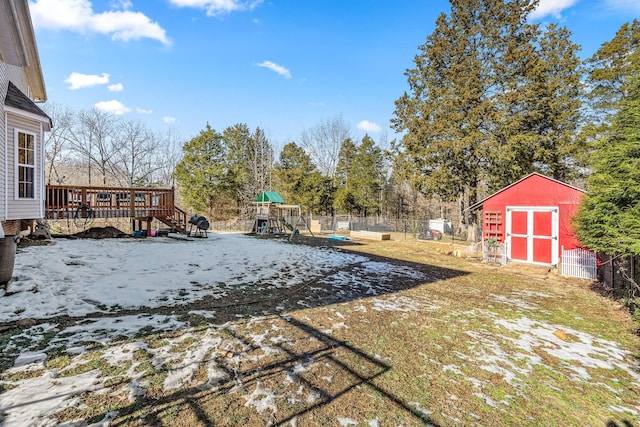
{"x":26,"y":165}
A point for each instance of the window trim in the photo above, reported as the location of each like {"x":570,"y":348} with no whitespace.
{"x":18,"y":165}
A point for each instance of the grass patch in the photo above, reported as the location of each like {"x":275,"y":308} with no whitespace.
{"x":472,"y":345}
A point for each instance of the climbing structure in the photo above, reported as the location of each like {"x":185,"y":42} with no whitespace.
{"x":274,"y":216}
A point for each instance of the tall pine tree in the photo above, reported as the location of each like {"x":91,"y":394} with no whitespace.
{"x":298,"y":180}
{"x":608,"y":220}
{"x":492,"y":98}
{"x":345,"y":200}
{"x":202,"y":174}
{"x":448,"y":117}
{"x":368,"y":176}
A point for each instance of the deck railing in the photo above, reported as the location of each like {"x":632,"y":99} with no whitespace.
{"x":66,"y":201}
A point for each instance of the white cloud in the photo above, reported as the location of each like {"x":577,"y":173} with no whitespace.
{"x":169,"y":119}
{"x":624,"y":5}
{"x":316,"y":104}
{"x":115,"y":87}
{"x":218,"y":7}
{"x":114,"y":107}
{"x":143,"y":111}
{"x":368,"y":126}
{"x":552,"y":8}
{"x":79,"y":16}
{"x":275,"y":67}
{"x":121,"y":4}
{"x":79,"y":80}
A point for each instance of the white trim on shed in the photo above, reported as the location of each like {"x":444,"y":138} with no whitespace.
{"x":530,"y":235}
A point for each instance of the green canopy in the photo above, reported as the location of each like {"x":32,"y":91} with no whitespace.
{"x":270,"y":196}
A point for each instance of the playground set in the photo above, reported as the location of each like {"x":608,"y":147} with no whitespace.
{"x":274,"y":216}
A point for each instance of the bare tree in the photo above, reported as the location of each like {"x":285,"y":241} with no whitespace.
{"x":92,"y":138}
{"x":261,"y":162}
{"x":323,"y":142}
{"x":256,"y":169}
{"x":57,"y":139}
{"x":133,"y":164}
{"x":166,"y":157}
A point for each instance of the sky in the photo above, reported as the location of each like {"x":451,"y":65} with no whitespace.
{"x":114,"y":292}
{"x":282,"y":65}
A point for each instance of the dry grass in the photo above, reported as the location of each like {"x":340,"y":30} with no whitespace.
{"x":473,"y":345}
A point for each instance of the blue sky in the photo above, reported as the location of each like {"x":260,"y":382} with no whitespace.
{"x":282,"y":65}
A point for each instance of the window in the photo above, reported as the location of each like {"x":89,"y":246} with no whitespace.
{"x":26,"y":165}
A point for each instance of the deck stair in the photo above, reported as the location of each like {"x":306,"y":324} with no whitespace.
{"x":177,"y":221}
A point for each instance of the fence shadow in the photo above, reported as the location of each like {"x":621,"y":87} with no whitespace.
{"x":358,"y":372}
{"x":324,"y":289}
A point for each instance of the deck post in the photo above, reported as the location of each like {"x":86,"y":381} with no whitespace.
{"x":132,"y":203}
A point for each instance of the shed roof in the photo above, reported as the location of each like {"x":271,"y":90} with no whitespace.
{"x":481,"y":202}
{"x":270,"y":196}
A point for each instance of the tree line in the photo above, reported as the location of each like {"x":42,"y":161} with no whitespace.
{"x":93,"y":147}
{"x":491,"y":98}
{"x":223,"y":172}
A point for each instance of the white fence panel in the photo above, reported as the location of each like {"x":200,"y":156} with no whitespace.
{"x":494,"y":252}
{"x":579,"y":263}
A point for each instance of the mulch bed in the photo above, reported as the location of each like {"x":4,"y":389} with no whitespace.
{"x":99,"y":233}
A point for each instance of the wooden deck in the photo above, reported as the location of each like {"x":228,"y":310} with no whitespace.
{"x":73,"y":202}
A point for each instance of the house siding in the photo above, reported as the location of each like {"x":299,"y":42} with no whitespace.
{"x":23,"y":208}
{"x":17,"y":76}
{"x":4,"y":83}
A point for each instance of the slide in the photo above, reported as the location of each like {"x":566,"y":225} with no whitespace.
{"x":286,"y":224}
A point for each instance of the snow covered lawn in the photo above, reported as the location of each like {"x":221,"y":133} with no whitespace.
{"x":233,"y":330}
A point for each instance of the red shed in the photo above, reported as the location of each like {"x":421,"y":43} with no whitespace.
{"x":533,"y":217}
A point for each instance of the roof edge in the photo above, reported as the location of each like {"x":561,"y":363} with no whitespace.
{"x":20,"y":103}
{"x":481,"y":202}
{"x":29,"y":49}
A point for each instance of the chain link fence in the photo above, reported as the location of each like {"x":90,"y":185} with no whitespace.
{"x":402,"y":228}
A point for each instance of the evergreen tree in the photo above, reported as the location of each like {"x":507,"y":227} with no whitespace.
{"x":202,"y":174}
{"x":294,"y":175}
{"x":607,"y":80}
{"x":236,"y":140}
{"x":492,"y":98}
{"x":368,"y":176}
{"x":447,"y":117}
{"x":345,"y":200}
{"x":608,"y":71}
{"x":557,"y":103}
{"x":539,"y":111}
{"x":608,"y":220}
{"x":344,"y":169}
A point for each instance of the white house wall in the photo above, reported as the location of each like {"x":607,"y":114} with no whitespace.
{"x":17,"y":76}
{"x":4,"y":84}
{"x":23,"y":208}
